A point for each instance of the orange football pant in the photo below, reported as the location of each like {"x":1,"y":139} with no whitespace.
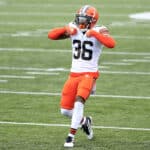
{"x":78,"y":84}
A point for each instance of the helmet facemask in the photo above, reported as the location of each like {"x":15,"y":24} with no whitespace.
{"x":83,"y":22}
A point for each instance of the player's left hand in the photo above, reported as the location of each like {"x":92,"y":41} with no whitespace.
{"x":89,"y":33}
{"x":104,"y":30}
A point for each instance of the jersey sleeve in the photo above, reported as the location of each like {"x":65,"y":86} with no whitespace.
{"x":103,"y":36}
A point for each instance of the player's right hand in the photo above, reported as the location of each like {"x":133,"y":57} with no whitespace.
{"x":71,"y":30}
{"x":89,"y":33}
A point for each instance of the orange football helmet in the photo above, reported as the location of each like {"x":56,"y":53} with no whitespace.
{"x":86,"y":17}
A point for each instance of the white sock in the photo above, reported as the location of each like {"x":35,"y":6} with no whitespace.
{"x":77,"y":115}
{"x":71,"y":135}
{"x":66,"y":112}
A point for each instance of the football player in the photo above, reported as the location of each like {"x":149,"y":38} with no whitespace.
{"x":87,"y":43}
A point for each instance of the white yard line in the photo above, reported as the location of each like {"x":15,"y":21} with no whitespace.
{"x":33,"y":69}
{"x":117,"y":63}
{"x":137,"y":60}
{"x":67,"y":125}
{"x":47,"y":70}
{"x":69,"y":51}
{"x":34,"y":50}
{"x":114,"y":24}
{"x":126,"y":24}
{"x":36,"y":34}
{"x":3,"y":81}
{"x":31,"y":23}
{"x":147,"y":57}
{"x":58,"y":94}
{"x":126,"y":53}
{"x":103,"y":67}
{"x":122,"y":128}
{"x":43,"y":73}
{"x":17,"y":77}
{"x":140,"y":16}
{"x":30,"y":14}
{"x":42,"y":5}
{"x":122,"y":96}
{"x":125,"y":72}
{"x":29,"y":93}
{"x":131,"y":37}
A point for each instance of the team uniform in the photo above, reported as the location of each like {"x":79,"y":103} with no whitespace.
{"x":87,"y":41}
{"x":84,"y":69}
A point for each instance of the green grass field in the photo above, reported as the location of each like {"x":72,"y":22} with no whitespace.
{"x":33,"y":70}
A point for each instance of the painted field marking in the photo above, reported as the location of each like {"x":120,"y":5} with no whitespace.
{"x":129,"y":6}
{"x":125,"y":72}
{"x":67,"y":125}
{"x":3,"y":81}
{"x":32,"y":69}
{"x":29,"y":93}
{"x":128,"y":24}
{"x":131,"y":37}
{"x":59,"y":94}
{"x":117,"y":63}
{"x":17,"y":77}
{"x":114,"y":24}
{"x":137,"y":60}
{"x":147,"y":57}
{"x":34,"y":50}
{"x":69,"y":51}
{"x":46,"y":71}
{"x":140,"y":16}
{"x":103,"y":67}
{"x":36,"y":34}
{"x":30,"y":14}
{"x":31,"y":23}
{"x":43,"y":73}
{"x":126,"y":53}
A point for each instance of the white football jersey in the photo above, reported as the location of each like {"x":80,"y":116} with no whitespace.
{"x":85,"y":51}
